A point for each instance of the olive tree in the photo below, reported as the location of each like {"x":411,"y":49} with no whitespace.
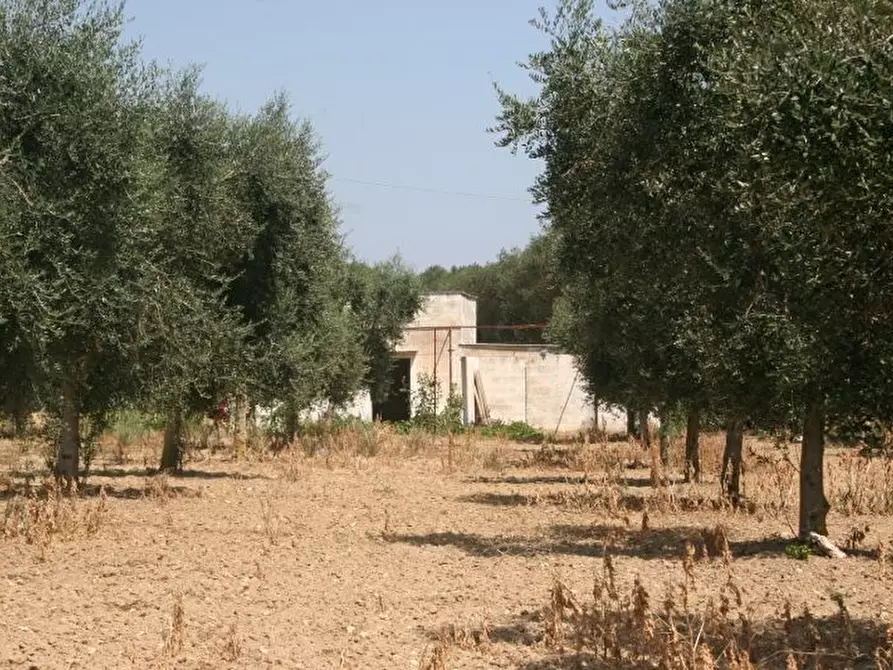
{"x":302,"y":343}
{"x":71,"y":137}
{"x":805,"y":89}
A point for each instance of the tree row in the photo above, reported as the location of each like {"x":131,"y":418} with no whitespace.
{"x":717,"y":182}
{"x":159,"y":251}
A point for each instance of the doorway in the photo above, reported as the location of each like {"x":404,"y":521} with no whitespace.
{"x":396,"y":406}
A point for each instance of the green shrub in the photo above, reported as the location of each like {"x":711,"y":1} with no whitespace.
{"x":798,"y":550}
{"x":516,"y":431}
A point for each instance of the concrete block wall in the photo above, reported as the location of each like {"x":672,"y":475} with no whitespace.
{"x":433,"y":339}
{"x":537,"y":385}
{"x":531,"y":384}
{"x":521,"y":382}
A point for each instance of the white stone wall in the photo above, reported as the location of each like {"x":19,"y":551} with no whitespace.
{"x":522,"y":383}
{"x":433,"y":338}
{"x":536,"y":385}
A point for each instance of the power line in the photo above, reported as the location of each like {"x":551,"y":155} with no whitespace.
{"x":420,"y":189}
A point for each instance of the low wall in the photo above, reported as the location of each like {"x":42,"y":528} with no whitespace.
{"x":535,"y":385}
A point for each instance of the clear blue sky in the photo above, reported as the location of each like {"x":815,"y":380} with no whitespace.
{"x":400,"y":92}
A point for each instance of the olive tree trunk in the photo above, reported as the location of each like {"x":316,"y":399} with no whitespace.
{"x":630,"y":423}
{"x":692,"y":450}
{"x":69,"y":447}
{"x":664,"y":435}
{"x":172,"y":453}
{"x":240,"y":431}
{"x":731,"y":462}
{"x":291,"y":423}
{"x":644,"y":429}
{"x":813,"y":504}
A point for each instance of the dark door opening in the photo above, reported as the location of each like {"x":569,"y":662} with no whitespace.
{"x":396,"y":406}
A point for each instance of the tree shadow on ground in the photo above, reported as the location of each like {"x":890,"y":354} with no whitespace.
{"x":632,"y":482}
{"x":176,"y":474}
{"x":610,"y":498}
{"x":137,"y":493}
{"x":592,"y":540}
{"x":144,"y":472}
{"x":40,"y":492}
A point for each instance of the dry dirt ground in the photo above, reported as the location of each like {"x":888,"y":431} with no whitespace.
{"x":418,"y":556}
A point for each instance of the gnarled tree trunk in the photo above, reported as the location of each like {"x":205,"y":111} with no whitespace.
{"x":68,"y":450}
{"x":630,"y":423}
{"x":240,"y":431}
{"x":692,"y":450}
{"x":813,"y":504}
{"x":644,"y":429}
{"x":664,"y":435}
{"x":291,"y":424}
{"x":731,"y":462}
{"x":172,"y":453}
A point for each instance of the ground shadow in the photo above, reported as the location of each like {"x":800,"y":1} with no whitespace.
{"x":836,"y":641}
{"x":533,"y":479}
{"x":175,"y":474}
{"x":40,"y":492}
{"x":589,"y":499}
{"x":632,"y":482}
{"x":136,"y":493}
{"x":593,"y":540}
{"x":612,"y":498}
{"x":143,"y":472}
{"x":523,"y":630}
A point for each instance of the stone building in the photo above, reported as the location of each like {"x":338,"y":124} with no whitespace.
{"x":536,"y":384}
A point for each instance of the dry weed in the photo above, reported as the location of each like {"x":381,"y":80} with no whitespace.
{"x":435,"y":656}
{"x":174,"y":635}
{"x":270,"y":521}
{"x":883,"y":656}
{"x":292,"y":464}
{"x":232,"y":645}
{"x":860,"y":485}
{"x":44,"y":517}
{"x":158,"y":488}
{"x":495,"y":459}
{"x":463,"y":636}
{"x":629,"y":630}
{"x":716,"y":542}
{"x":856,"y":536}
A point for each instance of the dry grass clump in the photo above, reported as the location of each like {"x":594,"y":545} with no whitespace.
{"x":855,"y":484}
{"x":334,"y":441}
{"x":635,"y":629}
{"x":860,"y":485}
{"x":174,"y":636}
{"x":232,"y":645}
{"x":158,"y":488}
{"x":464,"y":636}
{"x":435,"y":656}
{"x":357,"y":446}
{"x":45,"y":516}
{"x":452,"y":636}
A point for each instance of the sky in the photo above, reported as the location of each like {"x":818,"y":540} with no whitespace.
{"x":400,"y":93}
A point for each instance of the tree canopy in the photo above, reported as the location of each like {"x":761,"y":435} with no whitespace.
{"x":516,"y":289}
{"x":716,"y":183}
{"x":158,"y":250}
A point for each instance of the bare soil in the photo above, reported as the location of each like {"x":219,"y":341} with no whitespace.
{"x":367,"y":562}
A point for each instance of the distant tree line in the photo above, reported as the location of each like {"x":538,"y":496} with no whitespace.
{"x":718,"y":182}
{"x":162,"y":252}
{"x":516,"y":289}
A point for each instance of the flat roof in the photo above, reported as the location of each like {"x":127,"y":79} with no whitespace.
{"x":462,"y":293}
{"x":509,"y":346}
